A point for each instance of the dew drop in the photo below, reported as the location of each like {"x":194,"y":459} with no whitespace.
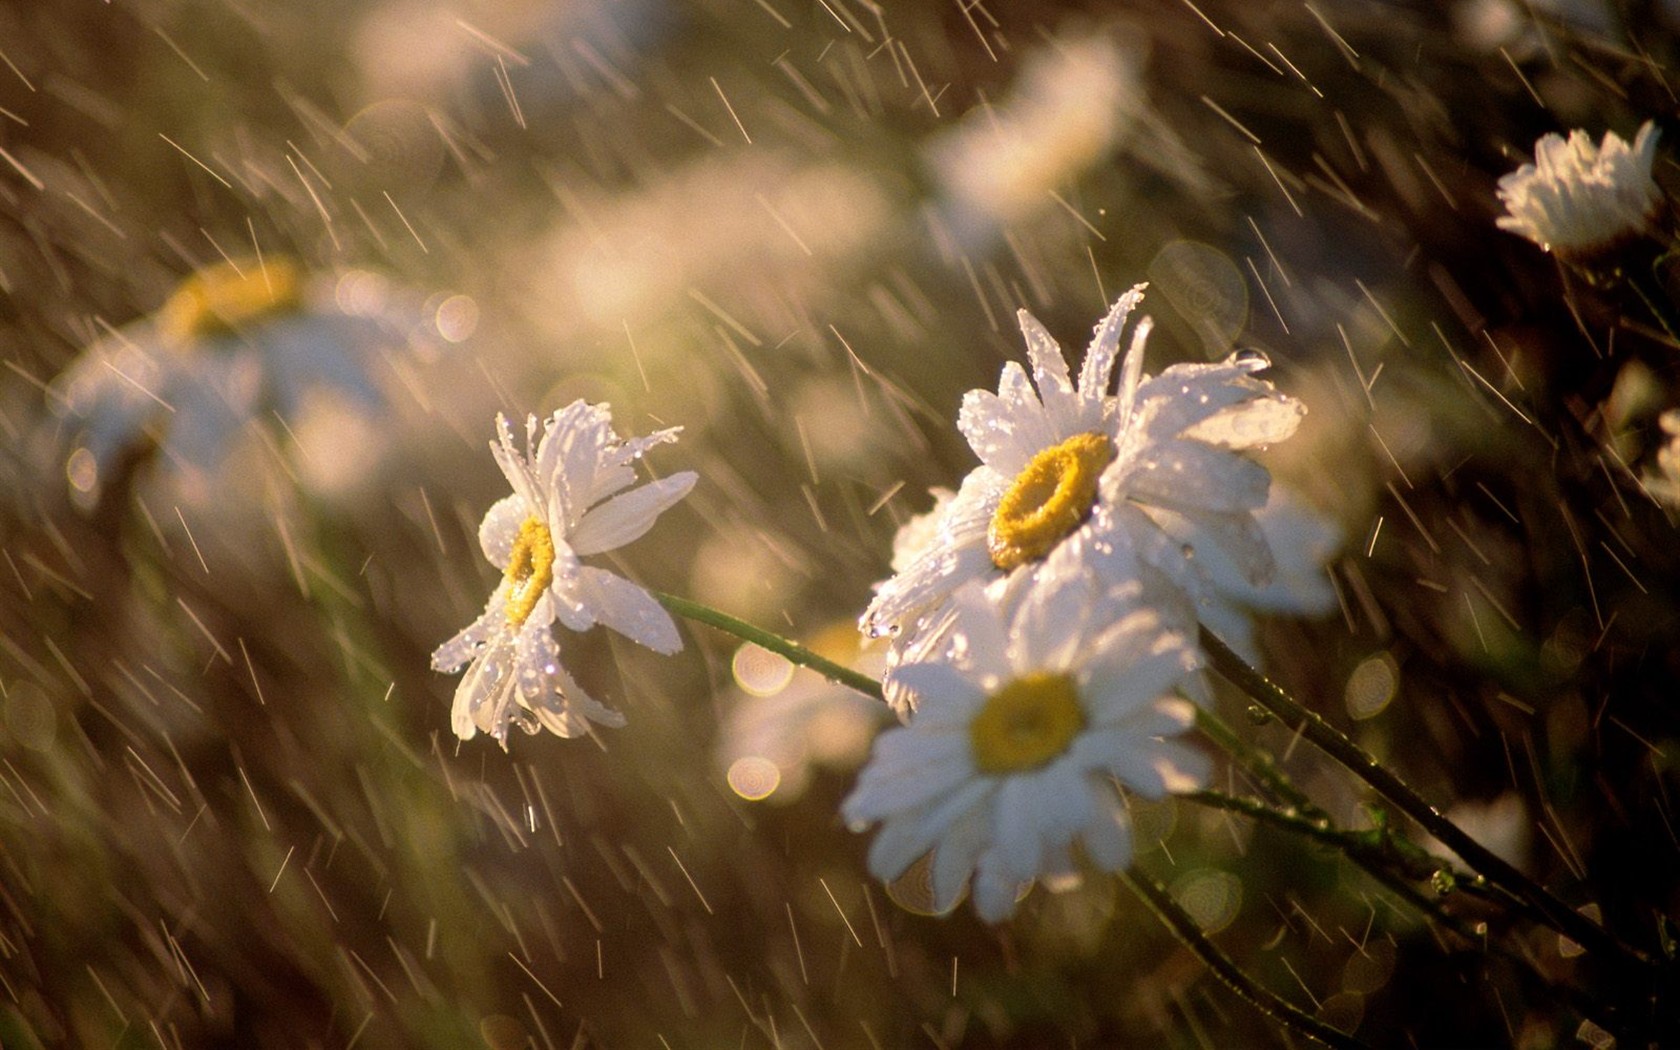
{"x":1249,"y":360}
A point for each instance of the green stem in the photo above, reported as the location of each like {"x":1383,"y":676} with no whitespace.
{"x":1260,"y":765}
{"x":1157,"y":898}
{"x":784,"y":647}
{"x":1554,"y":912}
{"x":1380,"y":857}
{"x":1392,"y":867}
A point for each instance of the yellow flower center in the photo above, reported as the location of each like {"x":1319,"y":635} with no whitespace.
{"x":530,"y":569}
{"x":1025,"y":724}
{"x":220,"y":298}
{"x":1048,"y":500}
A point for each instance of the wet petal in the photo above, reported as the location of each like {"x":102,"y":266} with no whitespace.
{"x":626,"y":518}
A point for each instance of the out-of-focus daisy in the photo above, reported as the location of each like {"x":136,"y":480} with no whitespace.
{"x":1521,"y":27}
{"x":1578,"y":200}
{"x":1664,"y":482}
{"x":238,"y":344}
{"x":1110,"y":484}
{"x":785,"y":723}
{"x":1072,"y":103}
{"x":1302,"y":541}
{"x":1016,"y":745}
{"x":571,"y":498}
{"x":1501,"y":825}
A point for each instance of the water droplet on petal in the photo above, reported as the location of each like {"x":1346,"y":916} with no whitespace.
{"x":1250,"y":360}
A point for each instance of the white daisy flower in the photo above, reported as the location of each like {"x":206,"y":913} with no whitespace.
{"x":571,"y":498}
{"x":234,"y":345}
{"x":1578,"y":200}
{"x":1016,"y":745}
{"x":1112,"y":480}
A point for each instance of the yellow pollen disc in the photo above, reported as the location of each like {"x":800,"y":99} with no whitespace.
{"x":1049,"y":499}
{"x":220,"y":298}
{"x":1025,"y":724}
{"x":530,"y":569}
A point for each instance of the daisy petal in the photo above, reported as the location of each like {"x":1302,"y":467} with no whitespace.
{"x":626,"y":518}
{"x":617,"y":603}
{"x":500,"y":527}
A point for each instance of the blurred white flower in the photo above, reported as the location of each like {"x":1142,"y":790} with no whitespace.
{"x":1664,"y":482}
{"x":1500,"y":825}
{"x":236,"y":345}
{"x":1578,"y":200}
{"x":768,"y":217}
{"x":1074,"y":480}
{"x":1073,"y":102}
{"x":1302,"y":542}
{"x":571,"y":498}
{"x":1016,"y":745}
{"x":784,"y":723}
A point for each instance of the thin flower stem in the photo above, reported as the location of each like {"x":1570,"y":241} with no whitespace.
{"x":1156,"y":897}
{"x":1382,"y":862}
{"x":1379,"y":859}
{"x":1554,"y":912}
{"x":1651,"y":304}
{"x":784,"y":647}
{"x":1260,"y":765}
{"x":1362,"y":847}
{"x":1307,"y":817}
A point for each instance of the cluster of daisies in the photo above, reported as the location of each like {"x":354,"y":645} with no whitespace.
{"x":1585,"y":204}
{"x":1041,"y":621}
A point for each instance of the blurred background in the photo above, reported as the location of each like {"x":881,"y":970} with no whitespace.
{"x":231,"y":809}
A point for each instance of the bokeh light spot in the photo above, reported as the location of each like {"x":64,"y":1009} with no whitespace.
{"x":457,"y":318}
{"x":1212,"y":897}
{"x":1206,"y":289}
{"x":1369,"y":968}
{"x":361,"y":293}
{"x":913,"y":891}
{"x":1371,"y":686}
{"x":30,"y":717}
{"x":1343,"y":1011}
{"x":82,"y":470}
{"x":760,"y":671}
{"x":754,"y":777}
